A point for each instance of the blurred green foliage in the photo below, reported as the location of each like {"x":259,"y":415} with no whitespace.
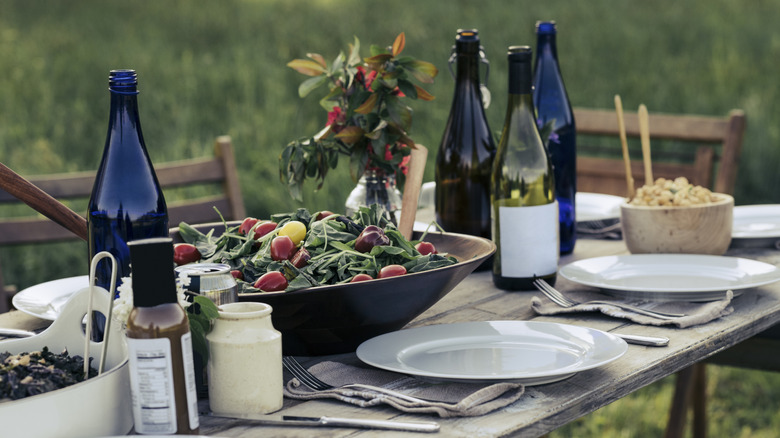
{"x":212,"y":68}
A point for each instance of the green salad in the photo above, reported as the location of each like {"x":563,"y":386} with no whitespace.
{"x":299,"y":250}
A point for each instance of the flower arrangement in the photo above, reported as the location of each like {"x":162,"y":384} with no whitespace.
{"x":367,"y":118}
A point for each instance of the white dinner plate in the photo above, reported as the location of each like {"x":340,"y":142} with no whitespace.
{"x":756,"y":224}
{"x":671,"y":277}
{"x":45,"y":300}
{"x":528,"y":352}
{"x":597,"y":206}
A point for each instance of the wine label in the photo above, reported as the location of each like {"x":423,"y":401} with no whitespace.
{"x":151,"y":384}
{"x":528,"y":240}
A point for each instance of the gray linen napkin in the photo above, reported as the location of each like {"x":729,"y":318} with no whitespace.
{"x":446,"y":399}
{"x":696,"y":313}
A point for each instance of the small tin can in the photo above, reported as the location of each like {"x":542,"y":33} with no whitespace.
{"x":212,"y":280}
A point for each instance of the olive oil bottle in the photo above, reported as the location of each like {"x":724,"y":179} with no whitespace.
{"x":159,"y":343}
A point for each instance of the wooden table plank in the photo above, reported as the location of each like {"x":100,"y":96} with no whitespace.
{"x":545,"y":407}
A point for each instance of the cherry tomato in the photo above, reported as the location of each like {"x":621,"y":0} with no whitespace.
{"x":264,"y":228}
{"x":282,"y":248}
{"x":184,"y":253}
{"x":271,"y":282}
{"x":361,"y":277}
{"x":323,"y":214}
{"x":238,"y":275}
{"x":370,"y":237}
{"x":295,"y":230}
{"x":391,"y":271}
{"x":247,"y":225}
{"x":426,"y":248}
{"x":301,"y":258}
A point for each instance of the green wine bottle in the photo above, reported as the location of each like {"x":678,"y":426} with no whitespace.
{"x":525,"y":212}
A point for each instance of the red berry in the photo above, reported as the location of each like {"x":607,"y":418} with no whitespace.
{"x":282,"y":248}
{"x":425,"y":248}
{"x":361,"y":277}
{"x":391,"y":271}
{"x":273,"y":281}
{"x":184,"y":253}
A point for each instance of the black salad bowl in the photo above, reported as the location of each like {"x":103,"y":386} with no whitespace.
{"x":336,"y":319}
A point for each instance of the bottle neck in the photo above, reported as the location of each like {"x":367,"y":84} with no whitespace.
{"x":124,"y":105}
{"x":519,"y":104}
{"x":546,"y":47}
{"x":520,"y":98}
{"x":123,"y":87}
{"x":154,"y":281}
{"x":520,"y":79}
{"x":468,"y":62}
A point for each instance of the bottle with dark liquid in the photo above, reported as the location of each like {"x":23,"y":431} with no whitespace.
{"x":525,"y":213}
{"x":552,"y":103}
{"x":465,"y":156}
{"x":127,"y":202}
{"x":159,"y":344}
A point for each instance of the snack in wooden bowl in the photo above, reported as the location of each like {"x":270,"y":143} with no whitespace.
{"x":677,"y":217}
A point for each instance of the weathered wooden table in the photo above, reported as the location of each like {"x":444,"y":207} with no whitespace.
{"x":546,"y":407}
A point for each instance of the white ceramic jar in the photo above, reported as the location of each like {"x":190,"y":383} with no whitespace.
{"x":245,"y":361}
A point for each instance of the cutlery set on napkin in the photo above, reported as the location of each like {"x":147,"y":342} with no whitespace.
{"x":690,"y":313}
{"x":445,"y":399}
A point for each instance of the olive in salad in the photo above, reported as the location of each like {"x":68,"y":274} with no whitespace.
{"x":304,"y":250}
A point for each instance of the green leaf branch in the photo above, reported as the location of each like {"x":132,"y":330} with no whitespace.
{"x":368,"y":119}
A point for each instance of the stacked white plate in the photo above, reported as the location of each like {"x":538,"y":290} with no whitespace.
{"x":756,"y":225}
{"x":671,"y":277}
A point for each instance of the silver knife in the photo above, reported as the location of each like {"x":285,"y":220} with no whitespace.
{"x":644,"y":340}
{"x":361,"y":423}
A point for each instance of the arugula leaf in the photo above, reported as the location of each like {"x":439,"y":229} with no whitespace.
{"x":331,"y":244}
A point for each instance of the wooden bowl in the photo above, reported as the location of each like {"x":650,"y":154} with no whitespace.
{"x":696,"y":229}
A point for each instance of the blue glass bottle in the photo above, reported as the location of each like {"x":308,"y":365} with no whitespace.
{"x":552,"y":102}
{"x":127,"y":202}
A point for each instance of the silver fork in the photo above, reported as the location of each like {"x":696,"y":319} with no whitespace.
{"x":310,"y":380}
{"x":558,"y":298}
{"x":598,"y":227}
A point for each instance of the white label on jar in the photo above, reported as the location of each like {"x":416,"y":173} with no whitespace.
{"x":189,"y":380}
{"x":151,"y":384}
{"x":529,"y":240}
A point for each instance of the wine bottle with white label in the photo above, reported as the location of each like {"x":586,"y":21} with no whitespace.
{"x":525,"y":212}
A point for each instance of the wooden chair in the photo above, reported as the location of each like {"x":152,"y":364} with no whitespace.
{"x":219,"y":169}
{"x":714,"y":145}
{"x":699,"y":135}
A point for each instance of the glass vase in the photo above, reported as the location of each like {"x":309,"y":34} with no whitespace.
{"x":376,"y":187}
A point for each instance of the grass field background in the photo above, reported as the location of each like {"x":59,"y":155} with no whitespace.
{"x":212,"y":68}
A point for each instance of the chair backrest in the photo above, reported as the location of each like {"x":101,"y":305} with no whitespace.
{"x":709,"y":167}
{"x":217,"y":170}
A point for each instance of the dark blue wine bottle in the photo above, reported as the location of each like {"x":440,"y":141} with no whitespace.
{"x":127,"y":202}
{"x":552,"y":103}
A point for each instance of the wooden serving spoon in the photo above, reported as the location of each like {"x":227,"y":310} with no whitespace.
{"x":42,"y":202}
{"x":624,"y":144}
{"x":411,"y":194}
{"x":644,"y":136}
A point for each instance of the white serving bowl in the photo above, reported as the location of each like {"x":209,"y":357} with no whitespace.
{"x":98,"y":407}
